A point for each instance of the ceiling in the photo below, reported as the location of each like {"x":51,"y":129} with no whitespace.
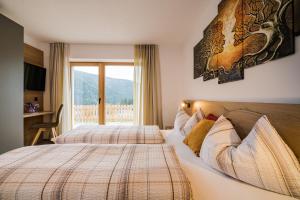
{"x":105,"y":21}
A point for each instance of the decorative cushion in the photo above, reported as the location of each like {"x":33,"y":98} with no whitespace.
{"x":195,"y":138}
{"x":211,"y":117}
{"x":262,"y":159}
{"x":193,"y":120}
{"x":180,"y":120}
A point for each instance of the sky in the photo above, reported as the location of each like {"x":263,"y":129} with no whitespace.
{"x":119,"y":72}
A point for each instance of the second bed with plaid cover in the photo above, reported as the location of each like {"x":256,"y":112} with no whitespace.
{"x":113,"y":134}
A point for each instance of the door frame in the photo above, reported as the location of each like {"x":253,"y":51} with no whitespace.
{"x":101,"y":85}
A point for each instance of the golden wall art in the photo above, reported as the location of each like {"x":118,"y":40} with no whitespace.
{"x":297,"y":17}
{"x":245,"y":33}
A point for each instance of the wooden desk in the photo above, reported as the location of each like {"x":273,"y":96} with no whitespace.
{"x":31,"y":119}
{"x":35,"y":114}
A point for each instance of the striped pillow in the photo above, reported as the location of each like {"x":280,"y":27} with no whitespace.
{"x":262,"y":159}
{"x":193,"y":120}
{"x":180,"y":120}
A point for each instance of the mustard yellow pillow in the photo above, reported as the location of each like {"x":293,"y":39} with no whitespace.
{"x":195,"y":138}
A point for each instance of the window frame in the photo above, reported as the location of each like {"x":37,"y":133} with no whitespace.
{"x":101,"y":85}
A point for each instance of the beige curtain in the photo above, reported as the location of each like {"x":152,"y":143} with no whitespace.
{"x":148,"y":95}
{"x":60,"y":82}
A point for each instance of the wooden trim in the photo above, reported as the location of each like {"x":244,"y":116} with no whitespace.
{"x":119,"y":63}
{"x":83,"y":64}
{"x":98,"y":63}
{"x":102,"y":93}
{"x":72,"y":96}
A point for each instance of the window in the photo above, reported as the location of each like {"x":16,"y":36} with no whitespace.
{"x":102,"y":93}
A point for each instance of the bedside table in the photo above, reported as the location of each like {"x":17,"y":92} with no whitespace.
{"x":168,"y":127}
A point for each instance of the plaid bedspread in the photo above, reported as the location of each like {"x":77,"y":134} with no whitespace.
{"x":103,"y":134}
{"x":87,"y":171}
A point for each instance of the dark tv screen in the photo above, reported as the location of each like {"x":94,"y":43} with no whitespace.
{"x":34,"y":77}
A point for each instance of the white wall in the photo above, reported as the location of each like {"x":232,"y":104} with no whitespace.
{"x":171,"y":61}
{"x":45,"y":47}
{"x":91,"y":52}
{"x":276,"y":81}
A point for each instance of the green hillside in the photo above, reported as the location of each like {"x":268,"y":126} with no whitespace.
{"x":117,"y":91}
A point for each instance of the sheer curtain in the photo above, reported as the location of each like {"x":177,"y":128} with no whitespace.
{"x":147,"y":90}
{"x":137,"y":95}
{"x":60,"y":83}
{"x":67,"y":92}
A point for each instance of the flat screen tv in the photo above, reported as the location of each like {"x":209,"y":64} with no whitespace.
{"x":34,"y":77}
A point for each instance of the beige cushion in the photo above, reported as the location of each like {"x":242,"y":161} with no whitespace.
{"x":262,"y":159}
{"x":194,"y":139}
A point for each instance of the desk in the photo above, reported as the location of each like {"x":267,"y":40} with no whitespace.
{"x":29,"y":120}
{"x":35,"y":114}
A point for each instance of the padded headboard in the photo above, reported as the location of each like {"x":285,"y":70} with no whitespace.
{"x":284,"y":117}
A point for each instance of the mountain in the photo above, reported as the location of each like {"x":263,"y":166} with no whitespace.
{"x":117,"y":91}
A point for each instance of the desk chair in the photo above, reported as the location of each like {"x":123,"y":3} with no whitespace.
{"x":48,"y":126}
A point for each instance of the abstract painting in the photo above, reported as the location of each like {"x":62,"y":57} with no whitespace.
{"x":297,"y":17}
{"x":245,"y":33}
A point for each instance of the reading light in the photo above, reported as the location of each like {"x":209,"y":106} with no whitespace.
{"x":185,"y":104}
{"x":182,"y":105}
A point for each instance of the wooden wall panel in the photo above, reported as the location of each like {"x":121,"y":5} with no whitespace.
{"x":32,"y":56}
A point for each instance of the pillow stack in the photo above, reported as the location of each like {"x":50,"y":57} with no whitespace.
{"x":262,"y":159}
{"x":184,"y":122}
{"x":194,"y":128}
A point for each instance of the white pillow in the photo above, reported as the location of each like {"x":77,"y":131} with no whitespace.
{"x":180,"y":120}
{"x":262,"y":159}
{"x":200,"y":114}
{"x":193,"y":120}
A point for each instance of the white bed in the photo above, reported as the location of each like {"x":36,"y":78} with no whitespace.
{"x":209,"y":184}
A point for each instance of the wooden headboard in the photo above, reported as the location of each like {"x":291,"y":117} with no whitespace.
{"x":284,"y":117}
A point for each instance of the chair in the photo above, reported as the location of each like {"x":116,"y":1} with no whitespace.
{"x":43,"y":127}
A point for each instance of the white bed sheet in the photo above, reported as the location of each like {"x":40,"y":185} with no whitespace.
{"x":209,"y":184}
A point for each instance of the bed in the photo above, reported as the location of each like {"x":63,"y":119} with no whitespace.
{"x":140,"y":171}
{"x":208,"y":183}
{"x":112,"y":134}
{"x":87,"y":171}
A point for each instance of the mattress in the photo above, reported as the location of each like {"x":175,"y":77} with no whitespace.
{"x":87,"y":171}
{"x":114,"y":134}
{"x":207,"y":183}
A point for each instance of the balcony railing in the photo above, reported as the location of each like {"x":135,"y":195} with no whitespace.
{"x":114,"y":114}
